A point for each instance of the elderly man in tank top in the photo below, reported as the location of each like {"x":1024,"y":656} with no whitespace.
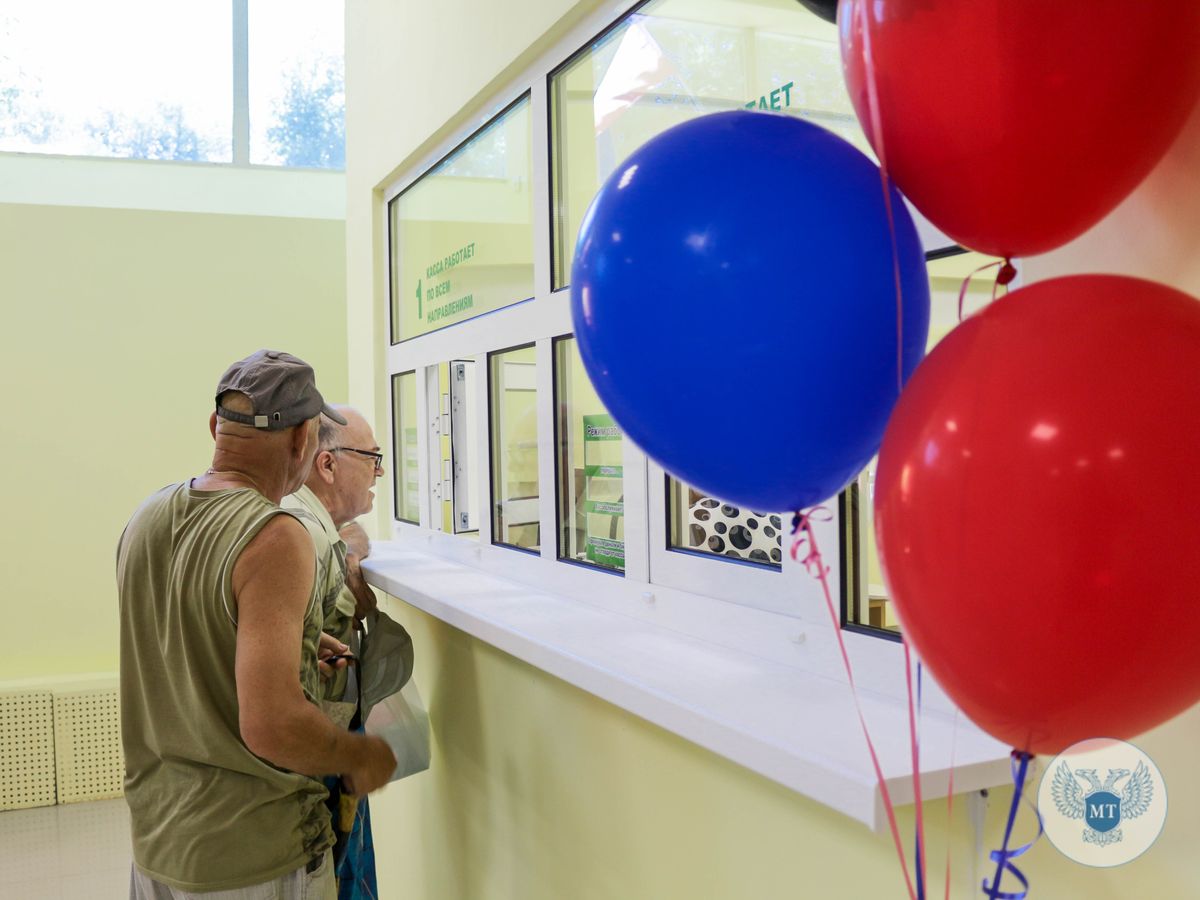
{"x":339,"y":490}
{"x":221,"y":630}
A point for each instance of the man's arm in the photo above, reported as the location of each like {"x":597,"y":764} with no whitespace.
{"x":272,"y":581}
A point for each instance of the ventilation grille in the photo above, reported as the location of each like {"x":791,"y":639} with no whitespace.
{"x":87,"y":740}
{"x":26,"y":750}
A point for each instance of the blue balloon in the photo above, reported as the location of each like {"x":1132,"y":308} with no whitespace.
{"x":734,"y":301}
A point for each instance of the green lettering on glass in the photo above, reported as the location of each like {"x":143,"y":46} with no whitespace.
{"x":450,"y":260}
{"x":774,"y":99}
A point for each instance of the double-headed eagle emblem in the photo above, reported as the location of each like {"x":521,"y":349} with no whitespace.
{"x":1099,"y":805}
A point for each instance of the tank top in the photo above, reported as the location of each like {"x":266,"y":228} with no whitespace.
{"x":206,"y":813}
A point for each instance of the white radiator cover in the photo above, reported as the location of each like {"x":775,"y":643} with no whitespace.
{"x":60,"y":741}
{"x":87,"y":743}
{"x":27,"y":764}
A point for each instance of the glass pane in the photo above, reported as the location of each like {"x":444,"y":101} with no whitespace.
{"x":297,"y":83}
{"x":674,"y":60}
{"x":704,"y":524}
{"x":139,"y":79}
{"x":512,"y":377}
{"x":461,"y":237}
{"x":404,"y":447}
{"x":590,"y":467}
{"x":868,"y":602}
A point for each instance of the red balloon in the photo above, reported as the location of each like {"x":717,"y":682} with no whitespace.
{"x":1016,"y":125}
{"x":1038,"y":510}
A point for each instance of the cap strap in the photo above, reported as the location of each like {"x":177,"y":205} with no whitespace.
{"x":243,"y":418}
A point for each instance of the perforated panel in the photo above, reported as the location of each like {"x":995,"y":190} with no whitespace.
{"x":26,"y":749}
{"x":87,"y":738}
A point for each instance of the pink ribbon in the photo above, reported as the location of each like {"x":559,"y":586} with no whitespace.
{"x":806,"y":540}
{"x":1007,"y":272}
{"x":916,"y":768}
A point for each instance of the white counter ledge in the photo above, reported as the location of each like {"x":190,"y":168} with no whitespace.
{"x":794,"y":726}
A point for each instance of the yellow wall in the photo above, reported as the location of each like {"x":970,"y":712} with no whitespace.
{"x":117,"y":325}
{"x":538,"y":790}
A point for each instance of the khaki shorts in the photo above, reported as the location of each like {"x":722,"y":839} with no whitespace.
{"x":302,"y":884}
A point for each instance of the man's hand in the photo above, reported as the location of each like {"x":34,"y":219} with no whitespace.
{"x":356,"y":540}
{"x":374,"y":767}
{"x":330,"y":646}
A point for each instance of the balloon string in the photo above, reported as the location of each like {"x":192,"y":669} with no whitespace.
{"x":815,"y":565}
{"x":1007,"y":272}
{"x":915,"y":741}
{"x":950,"y":796}
{"x":1003,"y":857}
{"x":886,"y":183}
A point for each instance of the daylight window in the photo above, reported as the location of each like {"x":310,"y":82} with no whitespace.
{"x":143,"y":79}
{"x":297,"y":85}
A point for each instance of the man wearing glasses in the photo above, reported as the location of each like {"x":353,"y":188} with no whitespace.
{"x":339,"y":490}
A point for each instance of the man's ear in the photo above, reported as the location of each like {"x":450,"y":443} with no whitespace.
{"x":323,"y":465}
{"x":212,"y":425}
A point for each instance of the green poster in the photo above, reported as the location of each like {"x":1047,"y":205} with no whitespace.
{"x":603,"y":497}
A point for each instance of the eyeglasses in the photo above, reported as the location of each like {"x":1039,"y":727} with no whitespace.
{"x":375,"y":455}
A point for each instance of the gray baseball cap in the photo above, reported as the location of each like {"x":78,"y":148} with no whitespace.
{"x":282,"y":388}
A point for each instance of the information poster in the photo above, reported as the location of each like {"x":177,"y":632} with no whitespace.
{"x":603,"y":494}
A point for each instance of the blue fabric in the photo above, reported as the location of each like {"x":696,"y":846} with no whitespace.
{"x":354,"y":852}
{"x":356,"y":871}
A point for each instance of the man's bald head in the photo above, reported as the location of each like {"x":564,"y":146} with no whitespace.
{"x":345,"y":469}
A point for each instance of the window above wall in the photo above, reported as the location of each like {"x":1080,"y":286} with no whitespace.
{"x":248,"y":82}
{"x":480,"y":234}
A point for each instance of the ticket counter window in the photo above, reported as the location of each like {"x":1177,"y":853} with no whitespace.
{"x":589,"y":447}
{"x":867,"y":602}
{"x":512,"y":413}
{"x":452,"y":392}
{"x":700,"y":523}
{"x":405,"y":459}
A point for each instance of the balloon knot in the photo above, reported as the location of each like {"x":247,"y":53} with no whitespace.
{"x":1007,"y":273}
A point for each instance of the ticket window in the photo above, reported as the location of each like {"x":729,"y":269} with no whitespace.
{"x":452,"y":390}
{"x":867,"y":600}
{"x":589,"y":447}
{"x":700,"y":523}
{"x":512,"y":397}
{"x":405,"y":454}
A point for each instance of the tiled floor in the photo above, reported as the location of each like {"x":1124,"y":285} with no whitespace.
{"x":79,"y":851}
